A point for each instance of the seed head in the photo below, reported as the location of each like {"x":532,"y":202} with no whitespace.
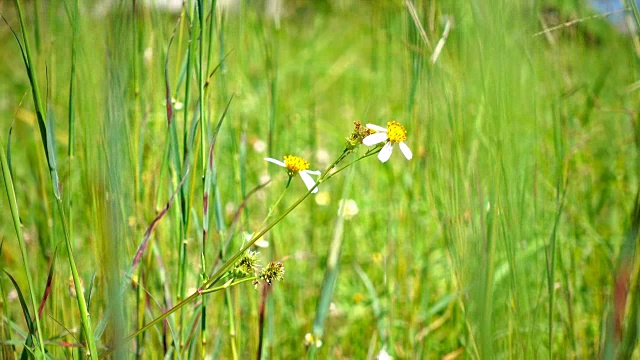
{"x":247,"y":265}
{"x":273,"y":272}
{"x":355,"y":138}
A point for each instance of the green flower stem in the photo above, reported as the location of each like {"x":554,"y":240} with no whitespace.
{"x":229,"y":284}
{"x":272,"y":208}
{"x":368,"y":154}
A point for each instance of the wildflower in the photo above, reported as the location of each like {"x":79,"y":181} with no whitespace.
{"x":273,"y":271}
{"x":297,"y":165}
{"x":394,"y":133}
{"x":310,"y":339}
{"x":358,"y":134}
{"x":348,"y":208}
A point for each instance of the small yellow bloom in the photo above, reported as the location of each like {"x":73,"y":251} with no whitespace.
{"x":297,"y":165}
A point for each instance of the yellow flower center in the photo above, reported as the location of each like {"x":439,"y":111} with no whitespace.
{"x":295,"y":164}
{"x":396,"y":132}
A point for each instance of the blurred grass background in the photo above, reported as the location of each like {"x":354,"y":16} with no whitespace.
{"x":502,"y":238}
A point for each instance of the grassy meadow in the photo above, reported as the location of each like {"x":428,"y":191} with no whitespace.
{"x":139,"y":218}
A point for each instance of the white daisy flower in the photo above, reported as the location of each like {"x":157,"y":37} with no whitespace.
{"x":297,"y":165}
{"x":394,"y":133}
{"x":310,"y":340}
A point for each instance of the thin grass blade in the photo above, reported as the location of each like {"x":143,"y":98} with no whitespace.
{"x":13,"y":205}
{"x":27,"y":316}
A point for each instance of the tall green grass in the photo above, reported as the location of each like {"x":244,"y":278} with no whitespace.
{"x":137,"y":152}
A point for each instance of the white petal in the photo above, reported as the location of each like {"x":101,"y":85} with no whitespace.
{"x":385,"y":153}
{"x":376,"y":128}
{"x":277,"y":162}
{"x":313,"y":172}
{"x":308,"y":181}
{"x":406,"y":151}
{"x":375,"y":138}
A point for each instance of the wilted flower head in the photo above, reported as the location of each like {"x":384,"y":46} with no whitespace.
{"x":273,"y":272}
{"x":357,"y":135}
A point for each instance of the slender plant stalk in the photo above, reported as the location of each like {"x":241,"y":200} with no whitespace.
{"x":15,"y":215}
{"x":551,"y":259}
{"x":82,"y":305}
{"x":232,"y":324}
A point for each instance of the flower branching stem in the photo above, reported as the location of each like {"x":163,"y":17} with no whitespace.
{"x":207,"y":286}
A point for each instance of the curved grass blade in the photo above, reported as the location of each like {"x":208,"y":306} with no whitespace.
{"x":51,"y":149}
{"x":147,"y":234}
{"x":27,"y":317}
{"x":25,"y":50}
{"x":47,"y":289}
{"x":621,"y":335}
{"x":635,"y":11}
{"x":6,"y":350}
{"x":10,"y":132}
